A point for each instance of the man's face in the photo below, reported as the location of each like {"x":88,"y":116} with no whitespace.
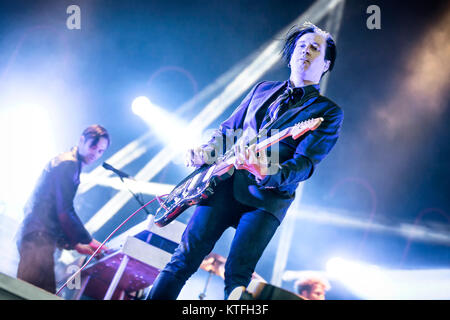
{"x":307,"y":60}
{"x":89,"y":152}
{"x":317,"y":293}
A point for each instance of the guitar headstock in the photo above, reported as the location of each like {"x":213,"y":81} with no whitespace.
{"x":305,"y":126}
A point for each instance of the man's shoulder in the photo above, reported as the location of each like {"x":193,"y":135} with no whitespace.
{"x":65,"y":161}
{"x":331,"y":106}
{"x":268,"y":85}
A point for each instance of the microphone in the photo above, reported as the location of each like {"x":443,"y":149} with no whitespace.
{"x":121,"y":174}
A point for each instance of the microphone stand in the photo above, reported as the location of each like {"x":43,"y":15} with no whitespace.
{"x":141,"y":203}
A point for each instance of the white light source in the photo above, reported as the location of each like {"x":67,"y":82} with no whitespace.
{"x":372,"y":282}
{"x":170,"y":129}
{"x":27,"y":144}
{"x":367,"y":281}
{"x":140,"y":105}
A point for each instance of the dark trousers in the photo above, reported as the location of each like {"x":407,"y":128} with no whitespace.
{"x":36,"y":265}
{"x":254,"y":229}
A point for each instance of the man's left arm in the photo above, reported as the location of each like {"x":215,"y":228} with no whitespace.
{"x":309,"y":152}
{"x":65,"y":190}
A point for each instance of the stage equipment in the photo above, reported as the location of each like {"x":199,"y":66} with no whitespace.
{"x":133,"y":267}
{"x":16,"y":289}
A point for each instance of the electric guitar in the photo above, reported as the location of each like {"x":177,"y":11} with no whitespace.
{"x":202,"y":182}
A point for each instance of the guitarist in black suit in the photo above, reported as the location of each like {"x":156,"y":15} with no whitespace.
{"x":255,"y":199}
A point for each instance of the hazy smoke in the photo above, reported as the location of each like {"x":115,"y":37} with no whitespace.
{"x":422,"y":95}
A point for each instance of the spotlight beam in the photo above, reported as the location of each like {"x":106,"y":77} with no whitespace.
{"x":375,"y":283}
{"x":149,"y":188}
{"x":316,"y":214}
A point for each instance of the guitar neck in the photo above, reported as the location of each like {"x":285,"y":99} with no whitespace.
{"x":264,"y":144}
{"x":273,"y":139}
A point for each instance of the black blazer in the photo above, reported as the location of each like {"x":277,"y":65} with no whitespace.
{"x":50,"y":207}
{"x":297,"y":158}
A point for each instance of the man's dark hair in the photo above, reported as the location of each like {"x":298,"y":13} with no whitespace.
{"x":95,"y":132}
{"x":296,"y":32}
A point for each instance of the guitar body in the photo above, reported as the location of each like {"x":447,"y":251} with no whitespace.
{"x":201,"y":183}
{"x":195,"y":188}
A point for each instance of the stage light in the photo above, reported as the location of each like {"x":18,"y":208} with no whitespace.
{"x":140,"y":104}
{"x":28,"y":144}
{"x":374,"y":283}
{"x":169,"y":128}
{"x":149,"y":188}
{"x":365,"y":280}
